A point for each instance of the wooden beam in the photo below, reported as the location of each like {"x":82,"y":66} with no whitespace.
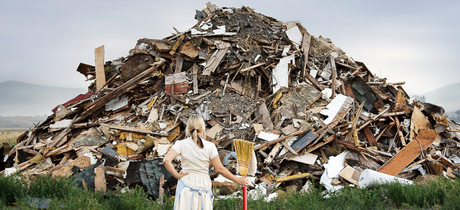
{"x":370,"y":136}
{"x":396,"y":164}
{"x":277,"y":140}
{"x":272,"y":153}
{"x":252,"y":67}
{"x":350,"y":145}
{"x":292,"y":177}
{"x":329,"y":139}
{"x":306,"y":39}
{"x":285,"y":144}
{"x":134,"y":130}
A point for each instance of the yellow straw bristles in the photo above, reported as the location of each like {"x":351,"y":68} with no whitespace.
{"x":243,"y":151}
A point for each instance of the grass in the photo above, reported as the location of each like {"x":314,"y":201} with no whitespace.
{"x":10,"y":136}
{"x":439,"y":193}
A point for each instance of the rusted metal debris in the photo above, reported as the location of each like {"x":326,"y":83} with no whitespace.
{"x":298,"y":97}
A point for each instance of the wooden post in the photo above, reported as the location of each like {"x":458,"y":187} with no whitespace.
{"x":100,"y":71}
{"x":306,"y":38}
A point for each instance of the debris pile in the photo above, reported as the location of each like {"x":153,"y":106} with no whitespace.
{"x":311,"y":111}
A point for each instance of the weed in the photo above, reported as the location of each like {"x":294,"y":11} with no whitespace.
{"x":11,"y":190}
{"x":440,"y":193}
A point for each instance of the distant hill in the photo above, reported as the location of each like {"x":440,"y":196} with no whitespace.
{"x":447,"y":96}
{"x":20,"y":123}
{"x":23,"y":99}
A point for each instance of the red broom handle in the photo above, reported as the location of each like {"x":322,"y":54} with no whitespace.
{"x":245,"y":197}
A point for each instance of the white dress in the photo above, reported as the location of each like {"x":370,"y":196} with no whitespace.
{"x":197,"y":193}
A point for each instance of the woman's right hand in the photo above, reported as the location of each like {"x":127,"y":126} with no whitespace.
{"x":243,"y":181}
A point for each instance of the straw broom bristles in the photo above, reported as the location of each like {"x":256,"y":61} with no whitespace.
{"x":243,"y":151}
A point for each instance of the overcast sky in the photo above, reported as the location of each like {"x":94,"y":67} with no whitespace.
{"x":43,"y":42}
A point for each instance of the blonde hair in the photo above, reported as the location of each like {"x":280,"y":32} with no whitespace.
{"x":195,"y":124}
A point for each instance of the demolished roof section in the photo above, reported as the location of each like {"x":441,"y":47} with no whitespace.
{"x":298,"y":97}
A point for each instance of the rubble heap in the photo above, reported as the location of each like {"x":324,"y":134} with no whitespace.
{"x":299,"y":98}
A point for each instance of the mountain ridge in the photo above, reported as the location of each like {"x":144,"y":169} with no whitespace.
{"x":445,"y":96}
{"x":25,"y":99}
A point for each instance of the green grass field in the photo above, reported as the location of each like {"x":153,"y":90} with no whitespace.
{"x":439,"y":193}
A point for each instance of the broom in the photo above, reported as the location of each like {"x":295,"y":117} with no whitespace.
{"x":243,"y":151}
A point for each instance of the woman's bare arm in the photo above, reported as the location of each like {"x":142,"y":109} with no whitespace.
{"x":172,"y":154}
{"x":227,"y":174}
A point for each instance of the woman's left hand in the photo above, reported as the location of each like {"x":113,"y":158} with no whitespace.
{"x":182,"y":174}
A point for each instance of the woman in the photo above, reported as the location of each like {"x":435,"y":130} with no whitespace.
{"x":194,"y":188}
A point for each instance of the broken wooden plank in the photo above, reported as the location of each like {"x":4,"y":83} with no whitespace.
{"x":179,"y":63}
{"x":418,"y":121}
{"x":189,"y":50}
{"x":350,"y":145}
{"x":272,"y":153}
{"x":321,"y":150}
{"x":195,"y":78}
{"x":65,"y":158}
{"x":215,"y":60}
{"x":306,"y":39}
{"x":370,"y":136}
{"x":211,"y":133}
{"x":350,"y":174}
{"x":100,"y":71}
{"x":134,"y":130}
{"x":99,"y":180}
{"x":396,"y":113}
{"x":329,"y":139}
{"x":277,"y":140}
{"x":161,"y":190}
{"x":443,"y":160}
{"x":286,"y":145}
{"x":263,"y":111}
{"x":292,"y":177}
{"x":396,"y":164}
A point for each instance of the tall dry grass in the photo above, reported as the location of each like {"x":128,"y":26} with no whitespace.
{"x":10,"y":136}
